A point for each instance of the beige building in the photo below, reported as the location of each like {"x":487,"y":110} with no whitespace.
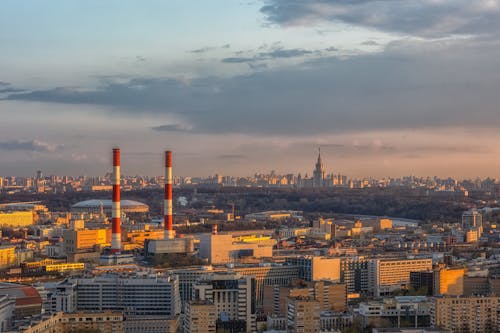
{"x":330,"y":296}
{"x":17,"y":219}
{"x":200,"y":317}
{"x":222,"y":249}
{"x":387,"y":275}
{"x":106,"y":322}
{"x":303,"y":315}
{"x":466,"y":314}
{"x":313,"y":268}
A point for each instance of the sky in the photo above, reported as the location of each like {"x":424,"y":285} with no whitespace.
{"x":237,"y":87}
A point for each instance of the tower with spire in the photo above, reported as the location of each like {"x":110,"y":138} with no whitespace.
{"x":319,"y":172}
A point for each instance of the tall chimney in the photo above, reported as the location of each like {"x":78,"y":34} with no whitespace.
{"x":214,"y":229}
{"x":115,"y":207}
{"x":167,"y":206}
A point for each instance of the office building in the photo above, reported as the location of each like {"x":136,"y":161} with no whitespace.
{"x":449,"y":281}
{"x":200,"y":317}
{"x":423,"y":281}
{"x":388,"y":275}
{"x":233,"y":297}
{"x":133,"y":295}
{"x":16,"y":219}
{"x":222,"y":249}
{"x":354,"y":273}
{"x":313,"y":268}
{"x":303,"y":315}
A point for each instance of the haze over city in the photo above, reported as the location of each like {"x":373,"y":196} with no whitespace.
{"x":238,"y":87}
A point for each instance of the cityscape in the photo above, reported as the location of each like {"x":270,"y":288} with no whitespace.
{"x":263,"y":166}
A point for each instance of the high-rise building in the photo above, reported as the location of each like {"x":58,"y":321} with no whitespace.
{"x":233,"y":297}
{"x":314,"y":268}
{"x":303,"y":315}
{"x":200,"y":317}
{"x":472,"y":219}
{"x":354,"y":273}
{"x":466,"y":314}
{"x":319,"y":172}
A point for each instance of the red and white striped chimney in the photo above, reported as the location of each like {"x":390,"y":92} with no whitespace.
{"x":214,"y":229}
{"x":167,"y":206}
{"x":115,"y":207}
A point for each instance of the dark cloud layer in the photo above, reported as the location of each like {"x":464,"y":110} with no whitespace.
{"x":277,"y":53}
{"x":418,"y":17}
{"x":29,"y":146}
{"x":410,"y":85}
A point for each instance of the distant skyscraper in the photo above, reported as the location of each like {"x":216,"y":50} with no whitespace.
{"x":319,"y":172}
{"x":472,"y":219}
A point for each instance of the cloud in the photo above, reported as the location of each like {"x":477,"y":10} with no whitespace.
{"x":276,"y":53}
{"x":429,"y":18}
{"x":237,"y":60}
{"x":231,"y":156}
{"x":30,"y":146}
{"x":202,"y":50}
{"x":206,"y":49}
{"x":412,"y":84}
{"x":172,"y":128}
{"x":370,"y":43}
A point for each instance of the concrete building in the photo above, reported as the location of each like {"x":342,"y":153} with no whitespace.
{"x":476,"y":286}
{"x":264,"y":274}
{"x":412,"y":311}
{"x":303,"y":315}
{"x":449,"y":281}
{"x":331,"y":296}
{"x":313,"y":268}
{"x":108,"y":322}
{"x":233,"y":297}
{"x":222,"y":249}
{"x":387,"y":275}
{"x":134,"y":295}
{"x":466,"y":314}
{"x":200,"y":317}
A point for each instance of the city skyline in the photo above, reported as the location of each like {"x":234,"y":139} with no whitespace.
{"x":238,"y":88}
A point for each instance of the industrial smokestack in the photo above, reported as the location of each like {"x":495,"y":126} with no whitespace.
{"x":115,"y":208}
{"x":214,"y":229}
{"x":167,"y":206}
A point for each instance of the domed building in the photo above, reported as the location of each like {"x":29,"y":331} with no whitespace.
{"x":96,"y":206}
